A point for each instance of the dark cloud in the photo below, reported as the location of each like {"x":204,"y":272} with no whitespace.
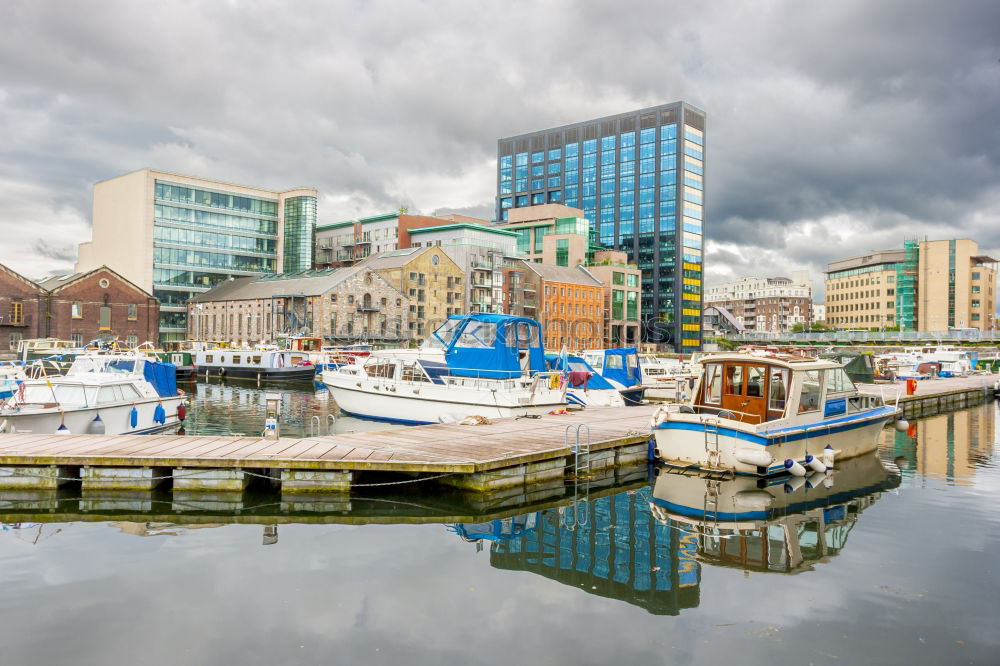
{"x":832,"y":127}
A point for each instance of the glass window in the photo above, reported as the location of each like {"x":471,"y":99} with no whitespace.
{"x":734,"y":380}
{"x":755,"y":381}
{"x":132,"y":312}
{"x":478,"y":335}
{"x":811,"y":385}
{"x":537,"y":157}
{"x":713,"y":383}
{"x":613,"y":363}
{"x":76,"y":310}
{"x":104,"y":318}
{"x":838,"y":381}
{"x":778,"y":392}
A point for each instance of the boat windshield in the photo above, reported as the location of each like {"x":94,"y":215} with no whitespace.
{"x":443,"y":335}
{"x":478,"y":335}
{"x":65,"y":395}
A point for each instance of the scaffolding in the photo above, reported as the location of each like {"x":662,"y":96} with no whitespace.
{"x":906,"y":286}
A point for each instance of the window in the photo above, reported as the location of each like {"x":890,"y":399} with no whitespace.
{"x":133,"y":312}
{"x":350,"y":298}
{"x":131,"y":341}
{"x":778,"y":390}
{"x":734,"y":380}
{"x":713,"y":383}
{"x":811,"y":385}
{"x":15,"y":340}
{"x":236,"y":359}
{"x":105,"y":318}
{"x":16,"y":313}
{"x":838,"y":381}
{"x":333,"y":298}
{"x":755,"y":381}
{"x":76,"y":310}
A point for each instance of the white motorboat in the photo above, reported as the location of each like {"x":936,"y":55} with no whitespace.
{"x":620,"y":367}
{"x":486,"y":365}
{"x":767,"y":415}
{"x":584,"y":386}
{"x":113,"y":394}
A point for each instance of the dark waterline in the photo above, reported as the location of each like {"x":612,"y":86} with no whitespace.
{"x":905,"y":571}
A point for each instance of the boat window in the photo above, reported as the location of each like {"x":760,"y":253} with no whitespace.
{"x":596,"y":361}
{"x":70,"y":395}
{"x":377,"y":367}
{"x":734,"y":380}
{"x":236,"y":359}
{"x":713,"y":383}
{"x":298,"y":360}
{"x":478,"y":335}
{"x":413,"y":372}
{"x":613,"y":363}
{"x":838,"y":381}
{"x":443,"y":334}
{"x":527,"y":336}
{"x":119,"y":396}
{"x":778,"y":392}
{"x":129,"y":392}
{"x":755,"y":381}
{"x":811,"y":385}
{"x":209,"y":358}
{"x":107,"y":395}
{"x":632,"y":360}
{"x":256,"y":360}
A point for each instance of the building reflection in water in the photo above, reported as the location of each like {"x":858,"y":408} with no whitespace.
{"x":646,"y":547}
{"x":946,"y":446}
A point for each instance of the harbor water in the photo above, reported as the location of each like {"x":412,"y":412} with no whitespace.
{"x":895,"y":562}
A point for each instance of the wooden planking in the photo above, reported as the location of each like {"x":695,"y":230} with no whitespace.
{"x":437,"y":447}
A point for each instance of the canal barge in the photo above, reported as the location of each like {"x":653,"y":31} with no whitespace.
{"x":261,"y":364}
{"x":769,"y":415}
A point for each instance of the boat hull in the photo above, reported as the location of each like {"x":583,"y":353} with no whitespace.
{"x":116,"y":418}
{"x":429,"y":403}
{"x":305,"y":373}
{"x":687,"y":440}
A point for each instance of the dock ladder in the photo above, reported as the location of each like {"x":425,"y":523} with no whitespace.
{"x":577,"y":513}
{"x":714,"y":456}
{"x":580,"y":448}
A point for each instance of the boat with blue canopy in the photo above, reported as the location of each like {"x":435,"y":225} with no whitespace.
{"x":584,"y":386}
{"x":620,"y":367}
{"x":487,"y":365}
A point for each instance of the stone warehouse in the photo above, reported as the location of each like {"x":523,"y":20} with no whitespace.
{"x":339,"y":305}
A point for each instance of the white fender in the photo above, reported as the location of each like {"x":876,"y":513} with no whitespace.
{"x":754,"y":456}
{"x":754,"y":499}
{"x":794,"y":468}
{"x":828,"y":481}
{"x":828,"y":455}
{"x":794,"y":484}
{"x":815,"y":479}
{"x":901,"y":424}
{"x":815,"y":464}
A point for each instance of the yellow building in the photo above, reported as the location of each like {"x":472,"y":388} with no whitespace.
{"x":926,"y":286}
{"x":433,"y":282}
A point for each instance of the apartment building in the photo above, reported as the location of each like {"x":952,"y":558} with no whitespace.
{"x":571,"y":306}
{"x":622,"y":297}
{"x":768,"y":304}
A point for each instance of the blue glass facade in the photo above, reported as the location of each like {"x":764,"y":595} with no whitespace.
{"x":639,"y":179}
{"x":201,"y":237}
{"x":300,"y":222}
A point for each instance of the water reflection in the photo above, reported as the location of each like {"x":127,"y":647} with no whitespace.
{"x":946,"y":446}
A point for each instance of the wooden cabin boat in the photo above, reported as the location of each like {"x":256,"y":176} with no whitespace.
{"x":767,"y":415}
{"x":263,"y":364}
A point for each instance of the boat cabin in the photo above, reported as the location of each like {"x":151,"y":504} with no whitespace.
{"x":755,"y":389}
{"x":620,"y":365}
{"x":491,"y":346}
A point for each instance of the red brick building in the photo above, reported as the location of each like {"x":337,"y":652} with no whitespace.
{"x":22,"y":304}
{"x":99,"y":304}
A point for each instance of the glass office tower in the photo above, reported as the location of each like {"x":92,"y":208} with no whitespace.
{"x":639,"y":178}
{"x":300,"y":222}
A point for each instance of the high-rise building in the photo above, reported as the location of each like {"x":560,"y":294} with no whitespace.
{"x":926,"y":286}
{"x":639,"y":178}
{"x":178,"y":236}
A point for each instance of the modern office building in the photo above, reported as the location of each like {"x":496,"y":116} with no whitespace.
{"x":926,"y":286}
{"x":178,"y":236}
{"x":639,"y":178}
{"x":774,"y":304}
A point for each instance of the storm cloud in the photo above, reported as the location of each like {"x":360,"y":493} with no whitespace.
{"x":833,"y":128}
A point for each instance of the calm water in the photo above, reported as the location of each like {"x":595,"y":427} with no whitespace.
{"x":892,"y":565}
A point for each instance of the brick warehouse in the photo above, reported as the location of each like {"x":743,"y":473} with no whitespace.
{"x":80,"y":307}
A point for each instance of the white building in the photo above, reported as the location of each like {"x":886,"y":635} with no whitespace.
{"x":773,"y":304}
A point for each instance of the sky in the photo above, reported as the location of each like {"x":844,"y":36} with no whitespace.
{"x":833,"y":128}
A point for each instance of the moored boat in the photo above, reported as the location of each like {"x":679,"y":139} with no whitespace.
{"x":120,"y":393}
{"x":763,"y":416}
{"x":620,"y":367}
{"x":583,"y":385}
{"x":260,"y":364}
{"x":487,"y":365}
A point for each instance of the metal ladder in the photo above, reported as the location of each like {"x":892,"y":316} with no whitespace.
{"x":316,"y":425}
{"x":711,"y":505}
{"x":712,"y":443}
{"x":580,"y":448}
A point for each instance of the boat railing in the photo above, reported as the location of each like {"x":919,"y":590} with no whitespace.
{"x":722,"y":413}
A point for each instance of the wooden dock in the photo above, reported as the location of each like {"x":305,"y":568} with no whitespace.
{"x":934,"y":396}
{"x":502,"y":454}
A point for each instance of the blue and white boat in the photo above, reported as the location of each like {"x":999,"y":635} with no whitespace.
{"x":620,"y":367}
{"x":486,"y":365}
{"x":768,"y":415}
{"x":584,"y":386}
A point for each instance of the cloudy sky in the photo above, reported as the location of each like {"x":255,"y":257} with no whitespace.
{"x":833,"y":127}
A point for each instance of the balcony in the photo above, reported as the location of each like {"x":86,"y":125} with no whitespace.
{"x":481,"y":266}
{"x":369,"y":308}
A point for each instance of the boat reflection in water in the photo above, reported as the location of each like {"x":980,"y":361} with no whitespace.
{"x":778,"y":525}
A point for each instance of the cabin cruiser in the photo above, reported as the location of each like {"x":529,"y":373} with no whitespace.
{"x":263,"y":364}
{"x":113,"y":394}
{"x":480,"y":364}
{"x":583,"y":385}
{"x":9,"y":375}
{"x":779,"y":526}
{"x":768,"y":415}
{"x":44,"y":348}
{"x":621,"y":368}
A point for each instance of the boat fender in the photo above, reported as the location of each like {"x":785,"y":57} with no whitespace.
{"x":133,"y":417}
{"x":662,"y":416}
{"x":96,"y":427}
{"x":815,"y":479}
{"x":815,"y":464}
{"x":651,"y":449}
{"x":794,"y":468}
{"x":794,"y":484}
{"x":901,"y":424}
{"x":62,"y":429}
{"x":159,"y":414}
{"x":828,"y":456}
{"x":181,"y":412}
{"x":754,"y":499}
{"x":828,"y":481}
{"x":756,"y":457}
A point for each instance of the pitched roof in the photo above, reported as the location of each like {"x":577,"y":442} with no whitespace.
{"x":393,"y":258}
{"x":17,"y":275}
{"x":304,"y":283}
{"x":566,"y":274}
{"x":60,"y":281}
